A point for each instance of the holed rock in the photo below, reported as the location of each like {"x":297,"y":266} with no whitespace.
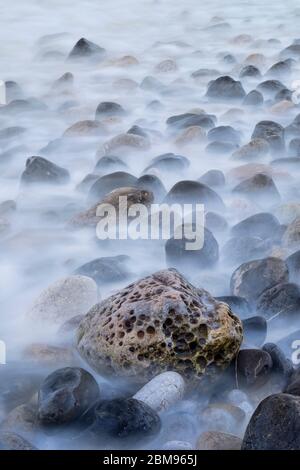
{"x":250,"y":279}
{"x":160,"y":323}
{"x":275,"y":424}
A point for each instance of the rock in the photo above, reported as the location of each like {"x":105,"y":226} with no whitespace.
{"x":249,"y":170}
{"x":280,"y":69}
{"x":180,"y":256}
{"x":215,"y":222}
{"x":261,"y":187}
{"x":213,"y":178}
{"x":244,"y":248}
{"x":40,"y":170}
{"x":12,"y":441}
{"x":65,"y":395}
{"x":162,"y":391}
{"x":152,"y":84}
{"x":272,"y":132}
{"x":125,"y":142}
{"x":22,"y":419}
{"x":263,"y":225}
{"x":292,"y":51}
{"x":221,"y":417}
{"x":254,"y":149}
{"x":194,"y":192}
{"x":293,"y":388}
{"x":275,"y":424}
{"x":48,"y":355}
{"x":287,"y":212}
{"x":107,"y":108}
{"x":294,"y":148}
{"x":224,"y":134}
{"x":254,"y":367}
{"x":225,"y":88}
{"x":65,"y":298}
{"x":64,"y":83}
{"x":149,"y":327}
{"x":290,"y":346}
{"x":183,"y":121}
{"x":220,"y":148}
{"x":255,"y":330}
{"x":89,"y":217}
{"x":66,"y":332}
{"x":283,"y":96}
{"x":237,"y":304}
{"x":250,"y":71}
{"x":293,"y":264}
{"x":109,"y":163}
{"x":250,"y":279}
{"x":291,"y":236}
{"x":85,"y":129}
{"x":87,"y":182}
{"x":177,"y":445}
{"x":279,"y":301}
{"x":190,"y":135}
{"x":125,"y":419}
{"x":152,"y":183}
{"x":281,"y":363}
{"x":17,"y":385}
{"x":107,"y":183}
{"x":168,"y":162}
{"x":253,"y":98}
{"x":259,"y":60}
{"x":125,"y":61}
{"x":270,"y":87}
{"x":105,"y":269}
{"x":282,"y":107}
{"x":86,"y":49}
{"x":217,"y":440}
{"x":166,"y":66}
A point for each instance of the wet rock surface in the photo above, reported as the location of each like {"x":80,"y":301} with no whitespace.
{"x":172,"y":331}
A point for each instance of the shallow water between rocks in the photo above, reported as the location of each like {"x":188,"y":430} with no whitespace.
{"x":36,"y":246}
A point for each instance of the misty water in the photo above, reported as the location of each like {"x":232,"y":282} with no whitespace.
{"x":37,"y":247}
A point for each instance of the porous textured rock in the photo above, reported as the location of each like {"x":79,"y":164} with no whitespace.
{"x":64,"y":299}
{"x":160,"y":323}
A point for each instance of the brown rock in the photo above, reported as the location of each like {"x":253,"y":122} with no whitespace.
{"x":160,"y":323}
{"x":217,"y":440}
{"x":85,"y":129}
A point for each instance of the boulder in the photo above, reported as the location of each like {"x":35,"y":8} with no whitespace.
{"x":225,"y":88}
{"x":217,"y":440}
{"x":160,"y":323}
{"x":275,"y":424}
{"x":193,"y":192}
{"x":41,"y":170}
{"x":85,"y":49}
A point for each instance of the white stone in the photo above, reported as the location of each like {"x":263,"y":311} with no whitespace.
{"x":64,"y":299}
{"x":162,"y":391}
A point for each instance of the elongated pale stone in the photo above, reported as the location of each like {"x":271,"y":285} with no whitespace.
{"x":2,"y":93}
{"x":162,"y":391}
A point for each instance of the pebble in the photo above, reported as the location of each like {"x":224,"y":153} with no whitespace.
{"x":162,"y":392}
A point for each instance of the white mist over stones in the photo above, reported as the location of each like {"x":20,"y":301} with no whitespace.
{"x":159,"y":323}
{"x":102,"y":97}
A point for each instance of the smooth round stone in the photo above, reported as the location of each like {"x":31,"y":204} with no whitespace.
{"x":255,"y":330}
{"x":163,"y":391}
{"x":65,"y":395}
{"x":64,"y":299}
{"x":124,"y":419}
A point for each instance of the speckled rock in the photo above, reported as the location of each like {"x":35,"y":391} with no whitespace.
{"x":217,"y":440}
{"x":126,"y":142}
{"x":156,"y":324}
{"x":162,"y":391}
{"x":254,"y":149}
{"x":275,"y":424}
{"x":85,"y":129}
{"x":291,"y":237}
{"x":250,"y":279}
{"x":64,"y":299}
{"x":13,"y":441}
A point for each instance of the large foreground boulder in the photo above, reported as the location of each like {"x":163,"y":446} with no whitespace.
{"x":159,"y":323}
{"x":275,"y":424}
